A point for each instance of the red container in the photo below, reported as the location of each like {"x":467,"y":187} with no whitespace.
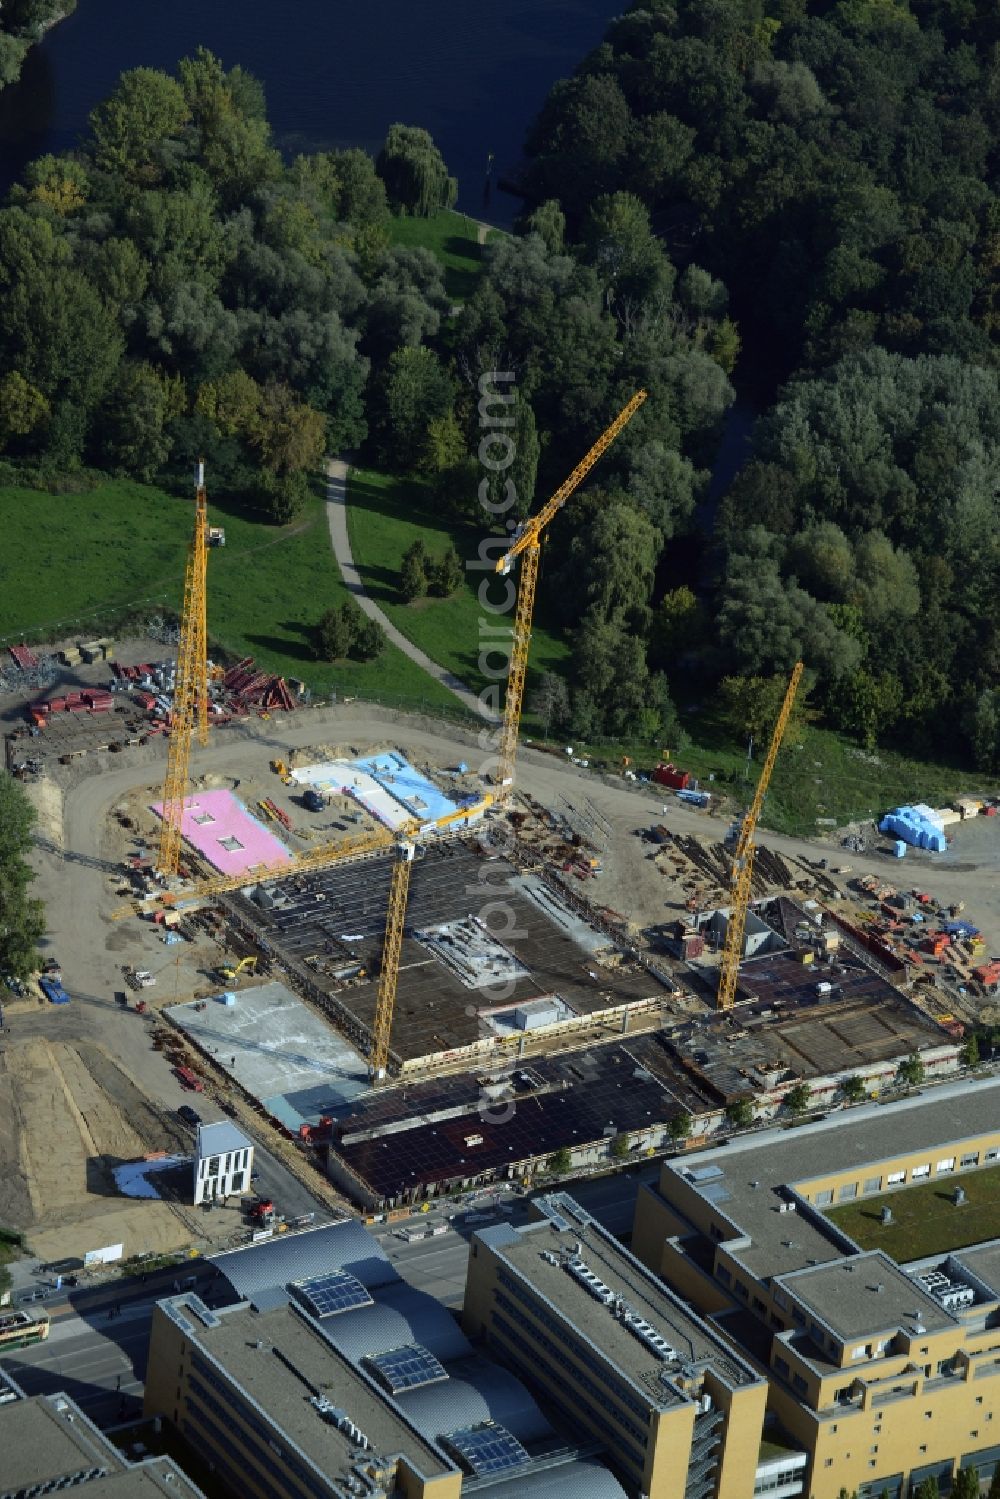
{"x":669,"y":775}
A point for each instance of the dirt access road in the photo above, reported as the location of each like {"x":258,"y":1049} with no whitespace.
{"x":74,"y":883}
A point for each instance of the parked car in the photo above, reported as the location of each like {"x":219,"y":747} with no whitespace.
{"x":189,"y":1115}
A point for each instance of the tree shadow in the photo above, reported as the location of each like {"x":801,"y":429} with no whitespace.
{"x":382,"y":584}
{"x":280,"y":645}
{"x":461,"y":281}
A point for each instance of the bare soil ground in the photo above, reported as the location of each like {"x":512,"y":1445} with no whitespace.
{"x":69,"y":1115}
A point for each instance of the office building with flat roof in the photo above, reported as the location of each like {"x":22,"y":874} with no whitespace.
{"x":886,"y":1370}
{"x":616,"y":1353}
{"x":328,"y":1376}
{"x":47,"y":1445}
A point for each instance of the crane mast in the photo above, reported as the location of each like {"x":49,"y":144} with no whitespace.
{"x":743,"y":856}
{"x":527,"y":546}
{"x":190,"y":705}
{"x":392,"y":947}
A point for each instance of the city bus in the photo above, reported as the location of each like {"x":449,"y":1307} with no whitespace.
{"x":19,"y":1330}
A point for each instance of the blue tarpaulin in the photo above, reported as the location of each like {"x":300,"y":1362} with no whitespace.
{"x":54,"y":993}
{"x":914,"y":827}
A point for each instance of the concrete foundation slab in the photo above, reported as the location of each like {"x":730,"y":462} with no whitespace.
{"x":218,"y":825}
{"x":276,"y":1048}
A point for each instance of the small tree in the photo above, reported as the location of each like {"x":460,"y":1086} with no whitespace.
{"x":928,"y":1489}
{"x":853,"y":1089}
{"x":333,"y":636}
{"x":679,"y":1127}
{"x":445,"y":576}
{"x":619,"y":1147}
{"x":970,"y":1058}
{"x":365,"y":637}
{"x":368,"y":638}
{"x":560,"y":1161}
{"x":740,"y":1113}
{"x":994,"y":1492}
{"x":798,"y":1099}
{"x":413,"y":574}
{"x":911,"y":1071}
{"x":966,"y":1484}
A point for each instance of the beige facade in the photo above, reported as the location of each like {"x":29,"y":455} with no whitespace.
{"x":622,"y":1359}
{"x":884,"y":1375}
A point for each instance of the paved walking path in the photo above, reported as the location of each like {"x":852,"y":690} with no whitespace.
{"x":336,"y":513}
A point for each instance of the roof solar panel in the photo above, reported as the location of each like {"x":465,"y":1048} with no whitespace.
{"x":325,"y":1295}
{"x":488,"y":1448}
{"x":406,"y":1368}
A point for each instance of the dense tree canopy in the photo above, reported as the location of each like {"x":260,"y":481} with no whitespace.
{"x":173,"y":288}
{"x":825,"y":180}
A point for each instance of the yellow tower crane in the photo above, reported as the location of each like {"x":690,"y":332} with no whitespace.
{"x":527,"y":546}
{"x":392,"y":947}
{"x":742,"y":878}
{"x":190,"y":706}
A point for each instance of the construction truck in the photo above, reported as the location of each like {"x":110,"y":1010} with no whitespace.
{"x":230,"y":971}
{"x":261,"y":1213}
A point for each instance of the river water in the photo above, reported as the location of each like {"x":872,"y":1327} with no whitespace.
{"x":473,"y":72}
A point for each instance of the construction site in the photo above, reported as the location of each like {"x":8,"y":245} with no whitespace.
{"x":402,"y":975}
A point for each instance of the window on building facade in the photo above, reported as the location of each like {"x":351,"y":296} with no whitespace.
{"x":919,"y":1171}
{"x":971,"y":1158}
{"x":873,"y":1184}
{"x":849,"y":1190}
{"x":824,"y":1199}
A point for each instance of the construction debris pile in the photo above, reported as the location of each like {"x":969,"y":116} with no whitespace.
{"x":250,"y":690}
{"x":933,"y":940}
{"x":236,"y":693}
{"x":28,"y":671}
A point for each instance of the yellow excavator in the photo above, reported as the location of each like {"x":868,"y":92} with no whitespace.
{"x":231,"y":971}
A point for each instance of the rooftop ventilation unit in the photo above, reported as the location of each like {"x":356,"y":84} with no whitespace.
{"x":951,"y":1294}
{"x":590,"y":1281}
{"x":647,"y":1334}
{"x":341,"y":1420}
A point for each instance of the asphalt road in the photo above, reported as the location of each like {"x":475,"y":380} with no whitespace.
{"x":99,"y":1359}
{"x":95,"y":1352}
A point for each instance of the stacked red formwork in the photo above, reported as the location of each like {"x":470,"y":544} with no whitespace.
{"x":24,"y":657}
{"x":250,"y":690}
{"x":98,"y":699}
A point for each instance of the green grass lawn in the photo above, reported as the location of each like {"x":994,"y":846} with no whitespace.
{"x":89,"y":556}
{"x":925,"y":1219}
{"x":385,"y":515}
{"x":454,"y":239}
